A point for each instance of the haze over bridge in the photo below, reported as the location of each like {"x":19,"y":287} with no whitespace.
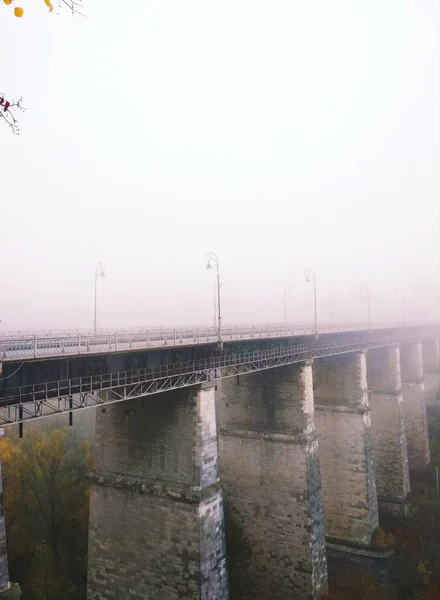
{"x":317,"y":435}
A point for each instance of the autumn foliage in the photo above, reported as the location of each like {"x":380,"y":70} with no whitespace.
{"x":356,"y":584}
{"x":73,"y":5}
{"x":383,"y":539}
{"x":46,"y":501}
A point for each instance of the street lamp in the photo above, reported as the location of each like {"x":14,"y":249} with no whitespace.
{"x":215,"y":305}
{"x":310,"y":277}
{"x":212,"y":260}
{"x":99,"y":272}
{"x":365,"y":287}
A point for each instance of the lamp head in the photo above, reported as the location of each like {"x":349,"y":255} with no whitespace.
{"x":208,"y":265}
{"x":310,"y":276}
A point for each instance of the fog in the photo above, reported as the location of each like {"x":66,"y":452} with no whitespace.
{"x":282,"y":135}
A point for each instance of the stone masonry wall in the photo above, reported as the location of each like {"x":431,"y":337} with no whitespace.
{"x":342,"y":417}
{"x":416,"y":424}
{"x":271,"y":476}
{"x":146,"y":547}
{"x":4,"y":570}
{"x":431,"y":370}
{"x":388,"y":429}
{"x":414,"y":407}
{"x":341,"y":380}
{"x":277,"y":400}
{"x":348,"y":482}
{"x":160,"y":437}
{"x":156,"y":511}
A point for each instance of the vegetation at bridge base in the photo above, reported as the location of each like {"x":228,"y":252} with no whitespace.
{"x":357,"y":584}
{"x":46,"y":507}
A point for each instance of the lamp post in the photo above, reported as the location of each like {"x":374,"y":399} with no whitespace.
{"x":215,"y":305}
{"x":99,"y":272}
{"x":365,"y":287}
{"x":310,"y":277}
{"x":212,"y":260}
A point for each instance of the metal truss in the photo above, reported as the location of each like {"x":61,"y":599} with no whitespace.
{"x":66,"y":396}
{"x":25,"y":346}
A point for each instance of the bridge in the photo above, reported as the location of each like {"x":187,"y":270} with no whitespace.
{"x":45,"y":344}
{"x":285,"y":443}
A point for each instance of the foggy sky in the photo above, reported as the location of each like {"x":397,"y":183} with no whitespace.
{"x":283,"y":135}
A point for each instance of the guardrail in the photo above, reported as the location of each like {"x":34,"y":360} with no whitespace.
{"x":35,"y":346}
{"x":63,"y":333}
{"x":71,"y":345}
{"x":44,"y":399}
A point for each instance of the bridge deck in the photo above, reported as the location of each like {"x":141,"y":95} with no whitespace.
{"x":44,"y":399}
{"x":27,"y":347}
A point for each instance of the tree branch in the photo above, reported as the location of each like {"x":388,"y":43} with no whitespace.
{"x":8,"y":110}
{"x":74,"y":6}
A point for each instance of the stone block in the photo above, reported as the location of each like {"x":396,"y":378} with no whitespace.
{"x":343,"y":424}
{"x":270,"y":471}
{"x":156,"y":511}
{"x":390,"y":450}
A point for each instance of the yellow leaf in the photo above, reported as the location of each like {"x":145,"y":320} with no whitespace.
{"x":7,"y":1}
{"x":18,"y":11}
{"x":49,"y":5}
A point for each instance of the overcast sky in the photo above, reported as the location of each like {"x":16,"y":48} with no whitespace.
{"x":281,"y":134}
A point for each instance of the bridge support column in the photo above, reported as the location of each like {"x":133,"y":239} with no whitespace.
{"x":414,"y":407}
{"x":388,"y":430}
{"x":156,"y":510}
{"x":270,"y":471}
{"x":431,"y":370}
{"x":342,"y":417}
{"x":7,"y":590}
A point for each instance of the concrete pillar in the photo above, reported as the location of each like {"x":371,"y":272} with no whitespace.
{"x":156,"y":510}
{"x":271,"y":476}
{"x":4,"y":570}
{"x":387,"y":429}
{"x":343,"y":424}
{"x":431,"y":370}
{"x":414,"y":408}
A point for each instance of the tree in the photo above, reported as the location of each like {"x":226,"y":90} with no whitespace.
{"x":46,"y":509}
{"x":74,"y":5}
{"x":8,"y":107}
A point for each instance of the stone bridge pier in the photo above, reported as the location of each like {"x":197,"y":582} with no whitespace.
{"x":271,"y":476}
{"x":343,"y":423}
{"x":431,"y":370}
{"x":388,"y":429}
{"x":156,"y":510}
{"x":414,"y":407}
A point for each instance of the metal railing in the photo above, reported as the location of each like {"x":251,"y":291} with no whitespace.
{"x":73,"y":343}
{"x":43,"y":399}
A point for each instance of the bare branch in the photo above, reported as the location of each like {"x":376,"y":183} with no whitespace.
{"x":75,"y":6}
{"x":8,"y":109}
